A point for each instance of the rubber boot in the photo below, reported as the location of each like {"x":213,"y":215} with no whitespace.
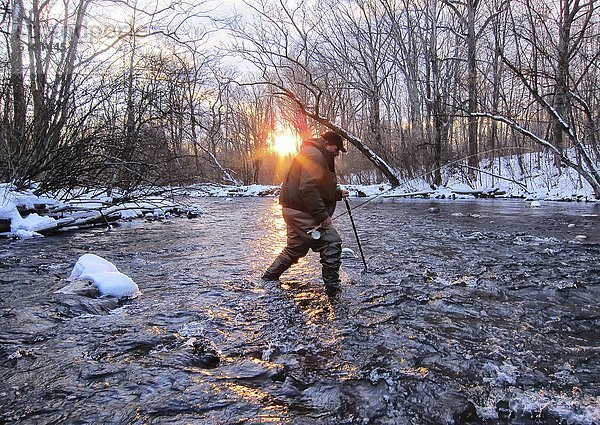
{"x":331,"y":279}
{"x":276,"y":269}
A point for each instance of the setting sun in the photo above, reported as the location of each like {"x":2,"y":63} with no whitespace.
{"x":285,"y":142}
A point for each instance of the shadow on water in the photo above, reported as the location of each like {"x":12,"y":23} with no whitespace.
{"x":479,"y":312}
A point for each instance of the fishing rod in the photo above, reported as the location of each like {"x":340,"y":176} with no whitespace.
{"x":424,"y":174}
{"x":349,"y":210}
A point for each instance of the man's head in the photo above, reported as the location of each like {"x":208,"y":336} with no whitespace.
{"x":334,"y":143}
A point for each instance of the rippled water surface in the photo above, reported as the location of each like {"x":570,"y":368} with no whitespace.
{"x":481,"y":312}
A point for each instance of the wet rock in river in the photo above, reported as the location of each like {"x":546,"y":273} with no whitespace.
{"x":70,"y":306}
{"x":82,"y":287}
{"x":503,"y":410}
{"x":203,"y":354}
{"x":81,"y":296}
{"x":4,"y":225}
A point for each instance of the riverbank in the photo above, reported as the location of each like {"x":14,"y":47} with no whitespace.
{"x":24,"y":215}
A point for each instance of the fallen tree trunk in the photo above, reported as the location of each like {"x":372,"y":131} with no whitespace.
{"x":424,"y":193}
{"x":97,"y":218}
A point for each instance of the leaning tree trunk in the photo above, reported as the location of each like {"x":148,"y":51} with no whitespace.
{"x":373,"y":157}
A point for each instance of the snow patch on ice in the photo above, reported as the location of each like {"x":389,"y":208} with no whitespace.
{"x":26,"y":234}
{"x":225,"y":191}
{"x":22,"y":227}
{"x":32,"y":222}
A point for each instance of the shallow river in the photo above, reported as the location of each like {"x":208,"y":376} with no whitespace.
{"x":482,"y":312}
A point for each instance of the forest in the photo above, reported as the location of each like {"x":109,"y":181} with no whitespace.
{"x":133,"y":94}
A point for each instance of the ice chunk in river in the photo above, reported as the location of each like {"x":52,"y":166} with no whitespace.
{"x":105,"y":276}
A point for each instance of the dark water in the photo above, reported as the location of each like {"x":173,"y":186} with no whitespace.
{"x":484,"y":312}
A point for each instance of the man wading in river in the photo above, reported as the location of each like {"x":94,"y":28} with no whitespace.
{"x":308,"y":196}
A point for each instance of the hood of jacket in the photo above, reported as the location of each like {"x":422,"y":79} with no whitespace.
{"x":319,"y":143}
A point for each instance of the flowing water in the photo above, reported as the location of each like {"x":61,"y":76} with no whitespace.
{"x":472,"y":312}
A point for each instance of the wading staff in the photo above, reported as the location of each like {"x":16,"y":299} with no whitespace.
{"x":355,"y":233}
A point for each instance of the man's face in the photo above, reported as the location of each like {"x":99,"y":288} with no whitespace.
{"x":332,"y":148}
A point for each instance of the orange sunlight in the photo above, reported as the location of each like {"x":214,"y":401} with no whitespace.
{"x":285,"y":142}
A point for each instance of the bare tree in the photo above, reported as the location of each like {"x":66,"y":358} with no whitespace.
{"x":357,"y":48}
{"x":16,"y":74}
{"x":284,"y":47}
{"x":69,"y":50}
{"x":553,"y":57}
{"x":438,"y":79}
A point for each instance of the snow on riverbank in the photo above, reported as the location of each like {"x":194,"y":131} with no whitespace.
{"x":19,"y":226}
{"x":532,"y":177}
{"x":24,"y":215}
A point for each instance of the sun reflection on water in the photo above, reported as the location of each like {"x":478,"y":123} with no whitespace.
{"x":279,"y":234}
{"x":302,"y":285}
{"x":271,"y":233}
{"x":272,"y":412}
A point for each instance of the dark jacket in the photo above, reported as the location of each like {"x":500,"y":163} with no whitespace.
{"x":310,"y":184}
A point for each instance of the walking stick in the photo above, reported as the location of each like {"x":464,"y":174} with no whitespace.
{"x":356,"y":234}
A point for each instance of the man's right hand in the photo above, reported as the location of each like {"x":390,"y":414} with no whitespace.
{"x":326,"y":223}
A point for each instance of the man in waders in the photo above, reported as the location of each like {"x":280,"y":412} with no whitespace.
{"x":308,"y":197}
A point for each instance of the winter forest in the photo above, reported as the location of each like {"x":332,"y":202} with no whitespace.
{"x":144,"y":93}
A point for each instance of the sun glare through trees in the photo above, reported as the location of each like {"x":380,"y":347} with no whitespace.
{"x":285,"y":142}
{"x":164,"y":92}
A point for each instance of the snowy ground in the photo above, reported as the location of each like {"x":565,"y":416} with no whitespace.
{"x":25,"y":215}
{"x":532,"y":177}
